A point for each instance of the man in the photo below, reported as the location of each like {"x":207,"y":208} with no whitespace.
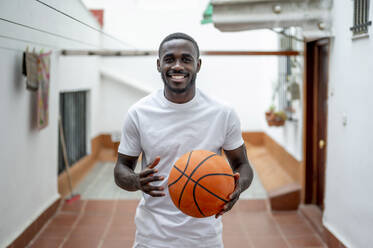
{"x":165,"y":125}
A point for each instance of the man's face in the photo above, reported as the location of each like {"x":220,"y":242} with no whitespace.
{"x":178,"y":65}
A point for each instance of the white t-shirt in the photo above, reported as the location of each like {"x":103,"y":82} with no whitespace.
{"x":158,"y":127}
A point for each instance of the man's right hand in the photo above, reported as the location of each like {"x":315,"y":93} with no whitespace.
{"x":146,"y":176}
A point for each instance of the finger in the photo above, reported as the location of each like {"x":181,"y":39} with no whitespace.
{"x":149,"y":179}
{"x":229,"y":206}
{"x":236,"y":177}
{"x":156,"y":194}
{"x":148,"y":188}
{"x":222,"y":211}
{"x":147,"y":172}
{"x":235,"y":193}
{"x":155,"y":162}
{"x":219,"y":214}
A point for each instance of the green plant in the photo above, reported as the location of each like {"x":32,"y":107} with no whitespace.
{"x":272,"y":108}
{"x":281,"y":115}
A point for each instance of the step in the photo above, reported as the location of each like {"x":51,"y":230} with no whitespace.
{"x":285,"y":198}
{"x":314,"y":216}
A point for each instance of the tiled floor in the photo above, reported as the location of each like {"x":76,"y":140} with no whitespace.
{"x":109,"y":223}
{"x":105,"y":218}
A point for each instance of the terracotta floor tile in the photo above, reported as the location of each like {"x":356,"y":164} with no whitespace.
{"x":64,"y":219}
{"x":269,"y":242}
{"x":126,"y":206}
{"x":305,"y":241}
{"x":259,"y":219}
{"x":233,"y":231}
{"x":75,"y":206}
{"x":89,"y":220}
{"x":124,"y":232}
{"x":55,"y":232}
{"x":88,"y":231}
{"x":118,"y":243}
{"x":123,"y":213}
{"x":124,"y":227}
{"x":292,"y":230}
{"x":99,"y":207}
{"x":47,"y":243}
{"x":250,"y":205}
{"x":288,"y":217}
{"x":123,"y":220}
{"x":236,"y":242}
{"x":91,"y":242}
{"x":253,"y":231}
{"x":231,"y":215}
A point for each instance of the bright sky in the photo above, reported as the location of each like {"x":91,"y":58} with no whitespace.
{"x":144,"y":23}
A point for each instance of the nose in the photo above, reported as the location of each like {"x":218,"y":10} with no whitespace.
{"x":177,"y":66}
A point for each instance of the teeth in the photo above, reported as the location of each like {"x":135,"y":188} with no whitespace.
{"x":177,"y":77}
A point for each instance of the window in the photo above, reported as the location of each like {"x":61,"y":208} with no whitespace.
{"x":73,"y":117}
{"x":290,"y":73}
{"x":361,"y":17}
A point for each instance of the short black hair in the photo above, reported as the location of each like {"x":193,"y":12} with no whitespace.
{"x":176,"y":36}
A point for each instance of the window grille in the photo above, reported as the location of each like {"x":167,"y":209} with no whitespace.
{"x":286,"y":88}
{"x":361,"y":17}
{"x":73,"y":117}
{"x":286,"y":43}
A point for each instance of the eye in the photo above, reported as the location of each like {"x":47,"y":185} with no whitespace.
{"x":168,"y":60}
{"x":187,"y":60}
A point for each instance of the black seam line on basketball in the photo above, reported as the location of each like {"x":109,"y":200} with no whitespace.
{"x":191,"y":174}
{"x":203,"y":187}
{"x":197,"y":183}
{"x":186,"y":166}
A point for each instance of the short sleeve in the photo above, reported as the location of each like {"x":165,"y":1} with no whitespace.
{"x":233,"y":136}
{"x":130,"y":139}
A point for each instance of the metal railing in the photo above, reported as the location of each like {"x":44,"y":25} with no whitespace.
{"x":361,"y":17}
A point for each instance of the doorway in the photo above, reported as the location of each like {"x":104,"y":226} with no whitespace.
{"x":317,"y":66}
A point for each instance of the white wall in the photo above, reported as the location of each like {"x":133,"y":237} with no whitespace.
{"x":82,"y":73}
{"x":116,"y":97}
{"x":242,"y":81}
{"x":348,"y":210}
{"x":28,"y":157}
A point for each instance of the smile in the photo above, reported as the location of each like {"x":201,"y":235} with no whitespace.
{"x":177,"y":77}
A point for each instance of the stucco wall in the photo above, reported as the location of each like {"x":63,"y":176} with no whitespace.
{"x":28,"y":157}
{"x":348,"y":210}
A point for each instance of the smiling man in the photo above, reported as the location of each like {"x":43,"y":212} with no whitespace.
{"x":165,"y":125}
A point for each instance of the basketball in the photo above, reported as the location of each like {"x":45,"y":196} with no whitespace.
{"x":200,"y":183}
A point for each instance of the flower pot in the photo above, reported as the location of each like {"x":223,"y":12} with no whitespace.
{"x":273,"y":119}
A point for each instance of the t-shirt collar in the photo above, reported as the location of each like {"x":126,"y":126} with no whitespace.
{"x":178,"y":105}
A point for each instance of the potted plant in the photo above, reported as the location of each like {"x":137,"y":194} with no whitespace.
{"x":275,"y":118}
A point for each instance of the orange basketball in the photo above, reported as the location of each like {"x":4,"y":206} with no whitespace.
{"x":200,"y":183}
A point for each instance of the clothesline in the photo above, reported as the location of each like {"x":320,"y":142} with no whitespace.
{"x":154,"y":52}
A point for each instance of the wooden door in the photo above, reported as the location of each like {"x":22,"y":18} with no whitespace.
{"x":317,"y":63}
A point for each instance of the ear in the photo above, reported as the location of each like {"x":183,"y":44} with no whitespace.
{"x":199,"y":63}
{"x":158,"y":65}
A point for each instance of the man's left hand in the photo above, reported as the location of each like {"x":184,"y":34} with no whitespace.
{"x":233,"y":197}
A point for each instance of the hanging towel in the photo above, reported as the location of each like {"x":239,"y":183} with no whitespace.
{"x":31,"y":64}
{"x":43,"y":78}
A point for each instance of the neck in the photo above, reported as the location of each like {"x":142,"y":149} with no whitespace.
{"x":179,"y":97}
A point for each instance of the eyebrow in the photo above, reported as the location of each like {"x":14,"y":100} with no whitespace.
{"x":183,"y":54}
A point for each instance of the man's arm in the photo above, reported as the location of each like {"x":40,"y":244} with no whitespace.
{"x":243,"y":175}
{"x":127,"y":179}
